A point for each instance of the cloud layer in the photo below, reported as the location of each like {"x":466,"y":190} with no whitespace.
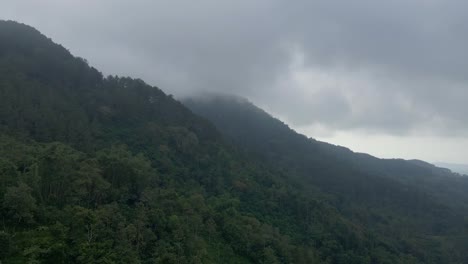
{"x":381,"y":67}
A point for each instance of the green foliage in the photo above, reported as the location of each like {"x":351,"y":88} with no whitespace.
{"x":100,"y":169}
{"x":413,"y":210}
{"x":19,"y":204}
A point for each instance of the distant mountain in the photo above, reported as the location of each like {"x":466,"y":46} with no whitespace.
{"x":458,"y":168}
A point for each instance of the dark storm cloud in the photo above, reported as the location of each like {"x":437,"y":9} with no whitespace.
{"x":380,"y":66}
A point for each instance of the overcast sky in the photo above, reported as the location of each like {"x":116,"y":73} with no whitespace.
{"x":385,"y":77}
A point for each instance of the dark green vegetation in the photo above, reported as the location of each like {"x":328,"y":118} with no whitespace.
{"x":409,"y":207}
{"x":100,"y":169}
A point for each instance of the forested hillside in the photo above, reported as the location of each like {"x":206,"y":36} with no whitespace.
{"x":414,"y":205}
{"x":98,"y":169}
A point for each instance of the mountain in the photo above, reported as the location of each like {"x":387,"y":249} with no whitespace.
{"x":458,"y":168}
{"x":98,"y":169}
{"x":411,"y":200}
{"x":272,"y":140}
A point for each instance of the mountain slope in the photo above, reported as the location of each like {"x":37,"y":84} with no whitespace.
{"x":459,"y":168}
{"x":271,"y":139}
{"x":100,"y":169}
{"x":411,"y":200}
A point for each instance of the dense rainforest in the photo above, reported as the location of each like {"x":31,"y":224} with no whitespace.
{"x":97,"y":169}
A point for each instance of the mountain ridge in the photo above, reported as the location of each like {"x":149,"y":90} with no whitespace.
{"x":209,"y":96}
{"x":113,"y":170}
{"x":348,"y":175}
{"x":228,"y":98}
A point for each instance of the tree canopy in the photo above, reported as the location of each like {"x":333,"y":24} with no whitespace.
{"x":98,"y":169}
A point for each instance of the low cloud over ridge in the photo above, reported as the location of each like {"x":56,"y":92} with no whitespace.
{"x":386,"y":67}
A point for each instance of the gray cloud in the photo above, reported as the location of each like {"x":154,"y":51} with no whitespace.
{"x":392,"y":67}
